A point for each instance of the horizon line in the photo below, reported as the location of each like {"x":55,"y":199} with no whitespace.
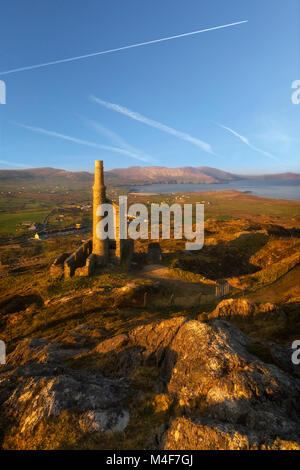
{"x":151,"y":166}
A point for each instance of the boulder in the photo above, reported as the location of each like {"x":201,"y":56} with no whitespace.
{"x":242,"y":307}
{"x":233,"y":307}
{"x":104,"y":421}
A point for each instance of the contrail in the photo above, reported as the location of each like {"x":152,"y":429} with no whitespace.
{"x":82,"y":142}
{"x":118,"y":140}
{"x":246,"y":141}
{"x":131,"y":46}
{"x":157,"y":125}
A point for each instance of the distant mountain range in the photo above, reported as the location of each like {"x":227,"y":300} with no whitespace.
{"x":161,"y":174}
{"x":44,"y":175}
{"x":134,"y":175}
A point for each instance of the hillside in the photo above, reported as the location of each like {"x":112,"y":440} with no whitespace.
{"x":101,"y":362}
{"x":131,"y":175}
{"x":37,"y":177}
{"x":277,"y":177}
{"x":161,"y":174}
{"x":43,"y":174}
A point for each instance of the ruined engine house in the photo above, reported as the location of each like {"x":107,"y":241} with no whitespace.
{"x":96,"y":252}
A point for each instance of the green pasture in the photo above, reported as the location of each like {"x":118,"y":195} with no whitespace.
{"x":9,"y":222}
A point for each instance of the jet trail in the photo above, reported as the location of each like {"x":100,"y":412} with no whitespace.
{"x":82,"y":142}
{"x":246,"y":141}
{"x":156,"y":124}
{"x":93,"y":54}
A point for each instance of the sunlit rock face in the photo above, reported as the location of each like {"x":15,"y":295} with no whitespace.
{"x":222,"y":395}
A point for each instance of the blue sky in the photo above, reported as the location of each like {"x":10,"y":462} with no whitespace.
{"x":221,"y":98}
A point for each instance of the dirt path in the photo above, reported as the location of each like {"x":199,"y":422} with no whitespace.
{"x":156,"y":271}
{"x":164,"y":274}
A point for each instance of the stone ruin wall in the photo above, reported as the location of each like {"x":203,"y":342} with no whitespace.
{"x":83,"y":261}
{"x":67,"y":263}
{"x":78,"y":259}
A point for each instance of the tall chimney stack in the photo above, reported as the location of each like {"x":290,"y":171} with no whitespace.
{"x":100,"y":247}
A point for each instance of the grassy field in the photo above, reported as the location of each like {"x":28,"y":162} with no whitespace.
{"x":227,"y":205}
{"x":10,"y":223}
{"x":33,"y":204}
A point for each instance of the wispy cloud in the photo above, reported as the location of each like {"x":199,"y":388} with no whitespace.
{"x":122,"y":48}
{"x":248,"y":143}
{"x":81,"y":141}
{"x":157,"y":125}
{"x":118,"y":140}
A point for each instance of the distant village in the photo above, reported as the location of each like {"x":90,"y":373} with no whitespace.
{"x":67,"y":221}
{"x":59,"y":219}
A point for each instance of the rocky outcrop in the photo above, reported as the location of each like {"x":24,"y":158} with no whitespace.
{"x":36,"y":385}
{"x":241,"y":307}
{"x":223,"y":395}
{"x":232,"y":307}
{"x":209,"y":434}
{"x":218,"y":374}
{"x":281,"y":356}
{"x":207,"y":369}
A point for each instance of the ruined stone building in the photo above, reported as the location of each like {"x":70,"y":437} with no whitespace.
{"x":96,"y":252}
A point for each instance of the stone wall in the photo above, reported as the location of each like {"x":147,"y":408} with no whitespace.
{"x":57,"y":267}
{"x":83,"y":261}
{"x":78,"y":258}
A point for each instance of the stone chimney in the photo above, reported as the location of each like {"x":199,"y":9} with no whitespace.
{"x":100,"y":247}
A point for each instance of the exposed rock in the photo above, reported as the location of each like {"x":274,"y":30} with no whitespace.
{"x":189,"y":435}
{"x":156,"y":337}
{"x":112,"y":344}
{"x":281,"y":356}
{"x":203,"y":434}
{"x":35,"y":385}
{"x":206,"y":366}
{"x":104,"y":421}
{"x":244,"y":308}
{"x":218,"y":373}
{"x":38,"y":351}
{"x":231,"y":307}
{"x":83,"y":336}
{"x":227,"y":397}
{"x":42,"y":397}
{"x":144,"y":345}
